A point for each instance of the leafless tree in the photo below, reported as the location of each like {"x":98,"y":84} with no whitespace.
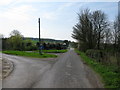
{"x":100,"y":24}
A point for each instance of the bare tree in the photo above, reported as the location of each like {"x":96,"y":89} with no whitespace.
{"x":15,"y":33}
{"x":108,"y":36}
{"x":116,"y":33}
{"x":100,"y":24}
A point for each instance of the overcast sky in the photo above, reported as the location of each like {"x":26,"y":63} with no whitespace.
{"x":57,"y":18}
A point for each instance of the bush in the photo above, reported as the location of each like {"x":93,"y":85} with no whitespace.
{"x":96,"y":54}
{"x":104,"y":57}
{"x":30,"y":48}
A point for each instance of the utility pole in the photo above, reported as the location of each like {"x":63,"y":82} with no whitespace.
{"x":40,"y":51}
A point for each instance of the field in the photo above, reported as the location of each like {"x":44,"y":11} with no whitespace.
{"x":30,"y":54}
{"x":109,"y":74}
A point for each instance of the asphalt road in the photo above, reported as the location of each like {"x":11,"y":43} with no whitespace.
{"x":67,"y":71}
{"x":27,"y":71}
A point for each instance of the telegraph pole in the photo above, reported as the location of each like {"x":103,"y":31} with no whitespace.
{"x":40,"y":51}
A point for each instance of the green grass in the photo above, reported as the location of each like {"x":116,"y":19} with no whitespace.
{"x":29,"y":54}
{"x":109,"y":74}
{"x":54,"y":51}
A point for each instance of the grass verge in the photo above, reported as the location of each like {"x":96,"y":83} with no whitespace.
{"x":109,"y":74}
{"x":54,"y":51}
{"x":29,"y":54}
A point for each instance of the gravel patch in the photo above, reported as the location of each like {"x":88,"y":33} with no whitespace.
{"x":7,"y":67}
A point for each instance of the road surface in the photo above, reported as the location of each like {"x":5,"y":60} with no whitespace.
{"x":67,"y":71}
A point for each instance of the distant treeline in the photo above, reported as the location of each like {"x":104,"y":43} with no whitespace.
{"x":16,"y":41}
{"x":44,"y":40}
